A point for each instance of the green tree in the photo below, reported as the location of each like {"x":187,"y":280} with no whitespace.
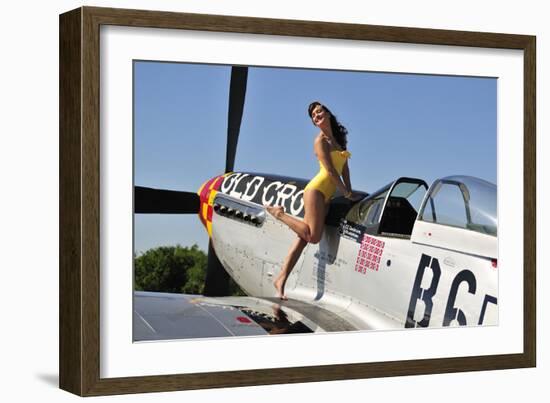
{"x":196,"y":273}
{"x":173,"y":269}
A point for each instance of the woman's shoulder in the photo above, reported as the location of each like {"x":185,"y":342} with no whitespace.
{"x":322,"y":141}
{"x":321,"y":146}
{"x":320,"y":138}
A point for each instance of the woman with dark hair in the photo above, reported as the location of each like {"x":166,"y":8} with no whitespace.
{"x":330,"y":147}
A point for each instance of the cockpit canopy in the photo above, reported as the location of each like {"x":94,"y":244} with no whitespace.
{"x":463,"y":202}
{"x":458,"y":201}
{"x":392,"y":210}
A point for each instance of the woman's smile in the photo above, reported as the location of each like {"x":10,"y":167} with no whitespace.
{"x":319,"y":116}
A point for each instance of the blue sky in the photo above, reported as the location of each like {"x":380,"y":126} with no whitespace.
{"x":420,"y":126}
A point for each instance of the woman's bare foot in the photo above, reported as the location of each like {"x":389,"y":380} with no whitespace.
{"x":279,"y":285}
{"x":275,"y":211}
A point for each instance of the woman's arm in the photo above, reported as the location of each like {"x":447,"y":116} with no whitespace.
{"x":323,"y":153}
{"x":346,"y":176}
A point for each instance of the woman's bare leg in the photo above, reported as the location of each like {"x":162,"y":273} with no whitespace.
{"x":298,"y":226}
{"x":315,"y":213}
{"x":311,"y":228}
{"x":293,"y":255}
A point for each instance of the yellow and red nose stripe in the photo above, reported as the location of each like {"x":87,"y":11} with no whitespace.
{"x":207,"y":193}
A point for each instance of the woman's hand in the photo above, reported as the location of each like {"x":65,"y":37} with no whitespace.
{"x":350,"y":196}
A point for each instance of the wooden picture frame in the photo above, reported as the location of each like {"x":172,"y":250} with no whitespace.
{"x":79,"y":200}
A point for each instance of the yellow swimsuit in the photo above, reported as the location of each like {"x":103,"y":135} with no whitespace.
{"x":322,"y":181}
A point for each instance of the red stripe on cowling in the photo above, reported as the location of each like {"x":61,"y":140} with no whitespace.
{"x":206,"y":190}
{"x":209,"y":213}
{"x":212,"y":184}
{"x":204,"y":199}
{"x":217,"y":183}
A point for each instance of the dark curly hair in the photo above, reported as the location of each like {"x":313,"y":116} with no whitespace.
{"x":339,"y":132}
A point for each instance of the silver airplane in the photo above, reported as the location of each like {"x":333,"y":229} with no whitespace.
{"x":405,"y":256}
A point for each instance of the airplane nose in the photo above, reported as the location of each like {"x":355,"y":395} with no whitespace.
{"x":207,"y":193}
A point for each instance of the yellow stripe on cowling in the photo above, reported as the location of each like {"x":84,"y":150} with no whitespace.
{"x":205,"y":211}
{"x":212,"y":196}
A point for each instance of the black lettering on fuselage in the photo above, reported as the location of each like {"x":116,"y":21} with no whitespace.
{"x":451,"y":312}
{"x":489,"y":299}
{"x":252,"y":188}
{"x":297,"y":204}
{"x":426,"y":295}
{"x":263,"y":190}
{"x":270,"y":192}
{"x":234,"y":192}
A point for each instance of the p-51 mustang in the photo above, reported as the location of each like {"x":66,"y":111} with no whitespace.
{"x":404,"y":256}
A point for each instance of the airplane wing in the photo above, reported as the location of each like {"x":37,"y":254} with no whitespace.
{"x":313,"y":316}
{"x":166,"y":316}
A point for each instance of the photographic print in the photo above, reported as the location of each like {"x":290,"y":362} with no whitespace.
{"x":272,"y":200}
{"x":229,"y":184}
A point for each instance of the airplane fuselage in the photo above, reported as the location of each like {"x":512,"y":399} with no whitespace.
{"x":437,"y":276}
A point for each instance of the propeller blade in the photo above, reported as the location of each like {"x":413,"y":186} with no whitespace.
{"x":158,"y":201}
{"x":237,"y":92}
{"x":216,"y":283}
